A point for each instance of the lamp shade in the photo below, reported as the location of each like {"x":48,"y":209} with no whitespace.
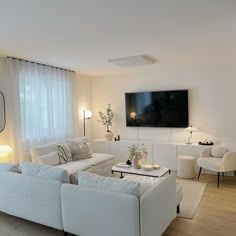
{"x":191,"y":129}
{"x":5,"y":149}
{"x":88,"y":114}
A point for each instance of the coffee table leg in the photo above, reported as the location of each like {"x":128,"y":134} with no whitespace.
{"x":169,"y":171}
{"x":121,"y":175}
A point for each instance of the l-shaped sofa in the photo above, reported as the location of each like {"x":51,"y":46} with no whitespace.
{"x":101,"y":207}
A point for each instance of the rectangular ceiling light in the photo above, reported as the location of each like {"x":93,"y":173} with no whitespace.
{"x":139,"y":60}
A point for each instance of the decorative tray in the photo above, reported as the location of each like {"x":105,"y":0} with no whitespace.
{"x":123,"y":165}
{"x":206,"y":144}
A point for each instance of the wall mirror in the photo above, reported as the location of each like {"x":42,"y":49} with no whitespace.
{"x":2,"y":112}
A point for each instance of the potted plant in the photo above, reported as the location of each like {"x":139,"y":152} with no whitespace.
{"x":137,"y":152}
{"x":106,"y":119}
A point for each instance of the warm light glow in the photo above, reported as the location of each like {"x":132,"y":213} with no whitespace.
{"x":88,"y":114}
{"x":132,"y":115}
{"x":5,"y":149}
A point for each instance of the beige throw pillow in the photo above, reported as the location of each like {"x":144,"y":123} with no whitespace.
{"x":80,"y":151}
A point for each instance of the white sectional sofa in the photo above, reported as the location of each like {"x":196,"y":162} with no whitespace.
{"x":43,"y":195}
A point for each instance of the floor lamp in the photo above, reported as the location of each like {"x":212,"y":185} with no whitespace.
{"x":86,"y":115}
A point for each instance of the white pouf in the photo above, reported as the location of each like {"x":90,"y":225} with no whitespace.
{"x":186,"y":167}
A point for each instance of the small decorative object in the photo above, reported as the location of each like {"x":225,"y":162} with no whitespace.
{"x":137,"y":152}
{"x":128,"y":162}
{"x":106,"y":119}
{"x":156,"y":167}
{"x":148,"y":167}
{"x":123,"y":165}
{"x":190,"y":129}
{"x":206,"y":141}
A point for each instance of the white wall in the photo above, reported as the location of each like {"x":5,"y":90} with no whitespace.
{"x":82,"y":101}
{"x":211,"y":101}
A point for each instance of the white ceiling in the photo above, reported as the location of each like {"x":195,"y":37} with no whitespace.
{"x":83,"y":34}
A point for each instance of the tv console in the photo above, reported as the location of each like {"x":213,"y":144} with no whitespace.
{"x":163,"y":153}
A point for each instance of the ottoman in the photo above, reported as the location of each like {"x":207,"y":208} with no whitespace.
{"x":186,"y":167}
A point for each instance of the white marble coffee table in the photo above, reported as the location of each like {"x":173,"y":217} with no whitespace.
{"x":151,"y":173}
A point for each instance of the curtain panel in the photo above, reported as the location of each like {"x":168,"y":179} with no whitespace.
{"x":42,"y":109}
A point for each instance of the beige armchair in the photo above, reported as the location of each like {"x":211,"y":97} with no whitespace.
{"x":218,"y":159}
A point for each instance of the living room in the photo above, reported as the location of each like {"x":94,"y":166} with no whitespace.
{"x":191,"y":45}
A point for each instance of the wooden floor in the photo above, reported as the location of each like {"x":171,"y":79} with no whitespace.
{"x":215,"y":216}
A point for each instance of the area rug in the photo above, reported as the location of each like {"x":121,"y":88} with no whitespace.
{"x":192,"y":195}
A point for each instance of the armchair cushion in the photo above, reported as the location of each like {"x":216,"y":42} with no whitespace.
{"x":219,"y":151}
{"x":211,"y":163}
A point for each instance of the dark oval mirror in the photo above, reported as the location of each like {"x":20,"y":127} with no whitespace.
{"x":2,"y":112}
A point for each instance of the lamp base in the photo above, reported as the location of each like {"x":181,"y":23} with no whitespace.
{"x":189,"y":143}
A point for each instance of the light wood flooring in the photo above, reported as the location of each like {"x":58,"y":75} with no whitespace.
{"x":215,"y":216}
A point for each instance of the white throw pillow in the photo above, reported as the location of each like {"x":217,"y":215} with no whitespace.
{"x":80,"y":140}
{"x":48,"y":172}
{"x":51,"y":159}
{"x":80,"y":151}
{"x":108,"y":183}
{"x":219,"y":151}
{"x":35,"y":152}
{"x":11,"y":167}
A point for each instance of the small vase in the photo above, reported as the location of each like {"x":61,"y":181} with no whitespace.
{"x":109,"y":136}
{"x":136,"y":163}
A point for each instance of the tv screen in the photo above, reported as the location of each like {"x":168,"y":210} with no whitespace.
{"x":157,"y":109}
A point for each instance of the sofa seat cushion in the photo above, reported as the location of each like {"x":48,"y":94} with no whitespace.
{"x":98,"y":158}
{"x":73,"y":167}
{"x":211,"y":163}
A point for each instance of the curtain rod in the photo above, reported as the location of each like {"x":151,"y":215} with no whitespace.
{"x":40,"y":64}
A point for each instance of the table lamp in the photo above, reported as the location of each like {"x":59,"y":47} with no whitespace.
{"x":4,"y":152}
{"x":190,"y":129}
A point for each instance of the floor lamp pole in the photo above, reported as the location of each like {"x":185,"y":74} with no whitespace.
{"x":84,"y":120}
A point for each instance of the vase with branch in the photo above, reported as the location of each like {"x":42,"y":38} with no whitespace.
{"x":137,"y":152}
{"x":106,"y":120}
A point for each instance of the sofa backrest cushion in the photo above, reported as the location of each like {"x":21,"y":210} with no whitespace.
{"x":35,"y":152}
{"x":80,"y":140}
{"x":219,"y":151}
{"x":10,"y":167}
{"x":108,"y":183}
{"x":51,"y":159}
{"x":43,"y":171}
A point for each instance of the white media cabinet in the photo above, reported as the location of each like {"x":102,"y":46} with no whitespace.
{"x":163,"y":153}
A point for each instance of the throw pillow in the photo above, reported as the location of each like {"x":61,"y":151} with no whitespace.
{"x":80,"y":140}
{"x":108,"y":183}
{"x":80,"y":151}
{"x":11,"y":167}
{"x":219,"y":151}
{"x":35,"y":152}
{"x":64,"y":153}
{"x":51,"y":159}
{"x":42,"y":171}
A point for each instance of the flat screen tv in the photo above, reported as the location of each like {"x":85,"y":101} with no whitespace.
{"x":157,"y":109}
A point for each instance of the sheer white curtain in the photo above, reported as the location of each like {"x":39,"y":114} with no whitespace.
{"x":42,"y":103}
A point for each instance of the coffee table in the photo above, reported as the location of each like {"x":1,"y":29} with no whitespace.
{"x":151,"y":173}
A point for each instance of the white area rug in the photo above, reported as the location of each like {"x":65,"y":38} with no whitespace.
{"x":192,"y":195}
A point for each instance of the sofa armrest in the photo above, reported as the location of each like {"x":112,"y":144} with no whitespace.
{"x":91,"y":211}
{"x":206,"y":152}
{"x":158,"y":207}
{"x":229,"y":160}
